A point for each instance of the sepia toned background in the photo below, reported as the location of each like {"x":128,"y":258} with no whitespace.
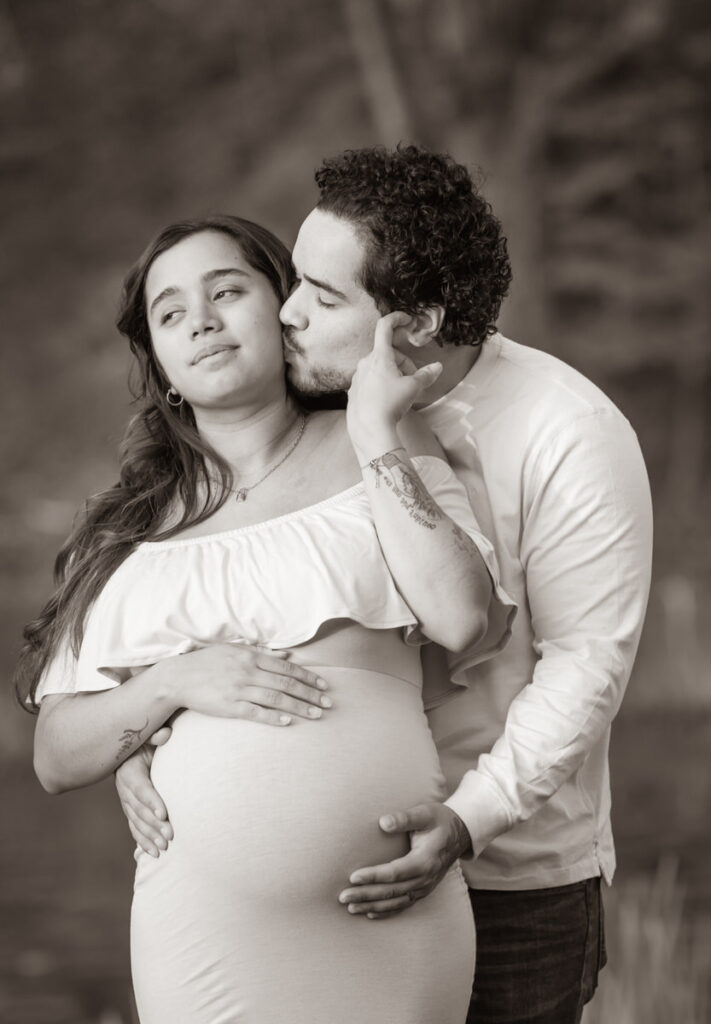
{"x":589,"y":123}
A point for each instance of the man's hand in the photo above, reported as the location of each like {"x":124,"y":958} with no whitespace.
{"x":438,"y":837}
{"x":146,"y":813}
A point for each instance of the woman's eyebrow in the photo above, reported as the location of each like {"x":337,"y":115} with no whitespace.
{"x":213,"y":275}
{"x":210,"y":275}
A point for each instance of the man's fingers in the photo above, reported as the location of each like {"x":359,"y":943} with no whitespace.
{"x":411,"y":820}
{"x":148,"y":830}
{"x":142,"y":797}
{"x":143,"y":842}
{"x":149,"y":819}
{"x":382,"y":893}
{"x":383,"y":908}
{"x":403,"y":869}
{"x":160,"y":737}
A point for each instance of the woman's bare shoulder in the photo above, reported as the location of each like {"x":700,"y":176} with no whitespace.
{"x":331,"y":444}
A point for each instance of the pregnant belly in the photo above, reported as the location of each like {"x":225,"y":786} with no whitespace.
{"x":260,"y":808}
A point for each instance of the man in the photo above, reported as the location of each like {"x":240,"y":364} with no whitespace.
{"x":556,"y":479}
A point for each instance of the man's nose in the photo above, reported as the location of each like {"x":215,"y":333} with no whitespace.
{"x":291,"y":314}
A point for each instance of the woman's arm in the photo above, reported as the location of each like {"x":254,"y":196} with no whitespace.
{"x":82,"y":737}
{"x":436,"y":565}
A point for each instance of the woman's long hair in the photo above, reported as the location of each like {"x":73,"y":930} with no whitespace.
{"x":162,"y":458}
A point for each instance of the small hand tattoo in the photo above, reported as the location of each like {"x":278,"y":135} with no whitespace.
{"x":404,"y":482}
{"x":127,"y":740}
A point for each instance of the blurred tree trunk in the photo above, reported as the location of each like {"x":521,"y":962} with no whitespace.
{"x":13,"y":64}
{"x":390,"y":107}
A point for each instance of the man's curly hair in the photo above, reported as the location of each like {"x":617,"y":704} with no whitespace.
{"x":430,"y":238}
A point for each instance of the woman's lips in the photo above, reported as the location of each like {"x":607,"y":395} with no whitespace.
{"x":212,"y":351}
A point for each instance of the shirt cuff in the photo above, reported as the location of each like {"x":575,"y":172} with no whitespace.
{"x":482,"y":810}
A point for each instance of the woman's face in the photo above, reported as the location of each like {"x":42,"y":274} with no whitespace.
{"x":214,"y":323}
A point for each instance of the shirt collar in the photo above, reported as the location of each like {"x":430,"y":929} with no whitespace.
{"x":447,"y":411}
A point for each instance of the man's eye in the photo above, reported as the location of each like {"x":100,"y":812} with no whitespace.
{"x":169,"y":315}
{"x":227,"y":291}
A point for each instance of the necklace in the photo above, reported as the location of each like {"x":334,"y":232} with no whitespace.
{"x":242,"y":492}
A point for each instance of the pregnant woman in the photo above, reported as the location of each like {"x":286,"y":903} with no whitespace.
{"x":238,"y":519}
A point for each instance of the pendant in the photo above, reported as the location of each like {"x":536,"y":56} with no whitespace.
{"x":241,"y":494}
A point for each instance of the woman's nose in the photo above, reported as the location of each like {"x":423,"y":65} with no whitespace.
{"x":204,"y":321}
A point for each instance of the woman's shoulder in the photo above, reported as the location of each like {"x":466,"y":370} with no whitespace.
{"x":328,"y":426}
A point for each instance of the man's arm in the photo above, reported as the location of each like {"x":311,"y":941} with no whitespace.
{"x":586,"y":550}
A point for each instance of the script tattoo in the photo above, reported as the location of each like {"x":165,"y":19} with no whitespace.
{"x":127,"y":739}
{"x":404,"y":482}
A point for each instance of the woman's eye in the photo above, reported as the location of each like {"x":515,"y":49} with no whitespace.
{"x":325,"y":305}
{"x":169,"y":315}
{"x":227,"y":291}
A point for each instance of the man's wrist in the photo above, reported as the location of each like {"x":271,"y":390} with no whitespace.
{"x":462,"y":839}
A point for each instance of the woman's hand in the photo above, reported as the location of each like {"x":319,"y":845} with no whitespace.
{"x":228,"y":681}
{"x":240,"y":681}
{"x":384,"y":387}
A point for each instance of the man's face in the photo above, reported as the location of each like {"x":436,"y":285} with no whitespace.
{"x":329,"y":319}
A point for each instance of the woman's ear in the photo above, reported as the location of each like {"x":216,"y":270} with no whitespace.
{"x":424,"y":326}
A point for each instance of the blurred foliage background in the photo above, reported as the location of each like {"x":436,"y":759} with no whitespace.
{"x":589,"y":123}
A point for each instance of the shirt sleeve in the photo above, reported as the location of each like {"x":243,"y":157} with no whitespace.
{"x":62,"y":675}
{"x":451,"y":496}
{"x":586,"y":549}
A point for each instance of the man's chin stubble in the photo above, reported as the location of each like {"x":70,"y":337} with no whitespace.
{"x":320,"y":382}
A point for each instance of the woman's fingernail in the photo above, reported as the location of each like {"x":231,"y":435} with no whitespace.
{"x":284,"y":719}
{"x":326,"y":702}
{"x":314,"y":712}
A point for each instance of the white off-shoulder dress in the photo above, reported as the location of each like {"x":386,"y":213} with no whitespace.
{"x":239,"y":921}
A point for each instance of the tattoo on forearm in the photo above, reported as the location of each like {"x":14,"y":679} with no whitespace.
{"x":127,"y":740}
{"x":462,"y":540}
{"x":459,"y":841}
{"x":406,"y":485}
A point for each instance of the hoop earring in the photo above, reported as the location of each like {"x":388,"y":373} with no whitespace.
{"x":171,"y":394}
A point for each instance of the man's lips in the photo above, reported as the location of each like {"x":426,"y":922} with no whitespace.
{"x":212,"y":350}
{"x":290,"y":345}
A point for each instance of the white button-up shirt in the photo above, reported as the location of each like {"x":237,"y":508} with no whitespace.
{"x":557,"y":482}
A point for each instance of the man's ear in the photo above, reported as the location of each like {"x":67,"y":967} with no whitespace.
{"x":424,"y":326}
